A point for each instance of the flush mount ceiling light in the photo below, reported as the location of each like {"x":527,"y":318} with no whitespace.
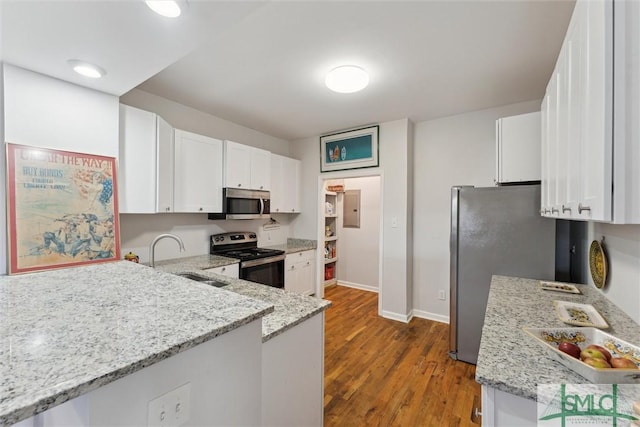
{"x":168,"y":8}
{"x":86,"y":69}
{"x":347,"y":79}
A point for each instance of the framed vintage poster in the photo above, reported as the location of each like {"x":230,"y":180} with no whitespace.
{"x":62,"y":209}
{"x":353,"y":149}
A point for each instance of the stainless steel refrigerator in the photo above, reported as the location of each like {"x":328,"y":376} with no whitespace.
{"x":494,"y":230}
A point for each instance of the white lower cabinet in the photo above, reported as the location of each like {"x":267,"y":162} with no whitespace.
{"x":300,"y":272}
{"x":231,"y":270}
{"x":500,"y":409}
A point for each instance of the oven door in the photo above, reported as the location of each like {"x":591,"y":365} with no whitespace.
{"x":267,"y":271}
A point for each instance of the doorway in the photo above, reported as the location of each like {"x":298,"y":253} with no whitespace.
{"x":359,"y":241}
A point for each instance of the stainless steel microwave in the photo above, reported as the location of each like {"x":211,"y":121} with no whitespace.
{"x":243,"y":204}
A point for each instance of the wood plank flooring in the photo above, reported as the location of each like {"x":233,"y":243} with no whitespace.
{"x":380,"y":372}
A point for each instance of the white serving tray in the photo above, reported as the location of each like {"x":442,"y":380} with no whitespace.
{"x":559,"y":287}
{"x":551,"y":337}
{"x":577,"y":314}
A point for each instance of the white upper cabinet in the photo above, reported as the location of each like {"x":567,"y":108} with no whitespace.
{"x":198,"y":173}
{"x":285,"y":184}
{"x":246,"y":167}
{"x":518,"y":148}
{"x":145,"y":169}
{"x":589,"y":147}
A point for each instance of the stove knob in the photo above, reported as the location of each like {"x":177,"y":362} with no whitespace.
{"x":252,"y":236}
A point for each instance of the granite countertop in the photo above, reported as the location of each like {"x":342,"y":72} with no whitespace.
{"x":194,"y":263}
{"x":512,"y":361}
{"x":66,"y":332}
{"x":290,"y":309}
{"x":294,"y":245}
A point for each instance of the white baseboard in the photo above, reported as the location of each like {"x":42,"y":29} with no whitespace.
{"x":404,"y":318}
{"x":431,"y":316}
{"x":358,"y":286}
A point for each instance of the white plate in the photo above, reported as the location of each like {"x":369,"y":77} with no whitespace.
{"x":551,"y":337}
{"x":559,"y":287}
{"x":576,"y":314}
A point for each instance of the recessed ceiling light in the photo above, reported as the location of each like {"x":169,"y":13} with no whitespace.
{"x":168,"y":8}
{"x":347,"y":79}
{"x":86,"y":69}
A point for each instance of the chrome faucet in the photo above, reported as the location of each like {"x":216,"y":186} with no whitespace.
{"x":152,"y":247}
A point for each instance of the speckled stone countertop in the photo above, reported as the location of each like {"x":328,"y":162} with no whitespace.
{"x":66,"y":332}
{"x":294,"y":245}
{"x":290,"y":309}
{"x":512,"y":361}
{"x":194,"y":263}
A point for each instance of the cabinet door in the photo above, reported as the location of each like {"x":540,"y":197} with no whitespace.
{"x":597,"y":119}
{"x":291,"y":172}
{"x":198,"y":173}
{"x":291,"y":273}
{"x":165,"y":170}
{"x":260,"y":169}
{"x":237,"y":165}
{"x":300,"y":272}
{"x":231,"y":270}
{"x":518,"y":142}
{"x":137,"y":161}
{"x":277,"y":183}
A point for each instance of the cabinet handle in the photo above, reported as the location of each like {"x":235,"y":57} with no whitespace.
{"x":308,"y":262}
{"x":167,"y":209}
{"x":567,"y":209}
{"x":293,"y":210}
{"x":554,"y":210}
{"x":261,"y":187}
{"x":583,"y":208}
{"x":277,"y":209}
{"x":200,"y":209}
{"x":239,"y":185}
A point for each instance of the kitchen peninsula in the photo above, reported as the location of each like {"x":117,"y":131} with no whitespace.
{"x":80,"y":342}
{"x":511,"y":364}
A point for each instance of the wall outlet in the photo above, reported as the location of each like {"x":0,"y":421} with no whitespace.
{"x":442,"y":295}
{"x":171,"y":409}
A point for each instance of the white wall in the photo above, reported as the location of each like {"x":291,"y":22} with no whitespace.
{"x":622,"y":247}
{"x":456,"y":150}
{"x":137,"y":231}
{"x":3,"y":177}
{"x":192,"y":120}
{"x":45,"y":112}
{"x":359,"y":248}
{"x":395,"y":170}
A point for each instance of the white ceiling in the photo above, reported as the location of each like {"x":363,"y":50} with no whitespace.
{"x":262,"y":64}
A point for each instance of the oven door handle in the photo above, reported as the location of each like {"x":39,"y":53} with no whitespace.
{"x":261,"y":206}
{"x":261,"y":261}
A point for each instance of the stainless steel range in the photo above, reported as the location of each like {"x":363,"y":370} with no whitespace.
{"x":265,"y":266}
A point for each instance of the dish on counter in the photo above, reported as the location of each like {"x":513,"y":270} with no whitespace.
{"x":598,"y":264}
{"x":559,"y":287}
{"x":550,"y":338}
{"x":577,"y":314}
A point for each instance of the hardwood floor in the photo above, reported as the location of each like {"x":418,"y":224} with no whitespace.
{"x":380,"y":372}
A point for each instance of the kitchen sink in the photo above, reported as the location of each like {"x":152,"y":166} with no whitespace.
{"x":205,"y":280}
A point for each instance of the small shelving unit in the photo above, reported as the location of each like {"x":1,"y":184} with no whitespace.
{"x":330,"y":238}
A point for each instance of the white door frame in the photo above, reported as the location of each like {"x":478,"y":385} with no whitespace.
{"x":321,"y":227}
